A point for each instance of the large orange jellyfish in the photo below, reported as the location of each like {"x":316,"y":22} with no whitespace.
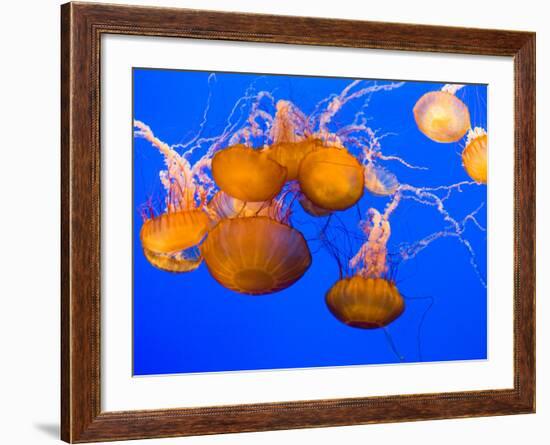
{"x":169,"y":239}
{"x":442,"y":116}
{"x":474,"y":156}
{"x":331,"y":178}
{"x":255,"y":255}
{"x":247,"y":174}
{"x":368,"y":299}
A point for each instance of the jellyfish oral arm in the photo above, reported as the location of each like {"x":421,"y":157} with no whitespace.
{"x":371,"y":259}
{"x":178,"y":170}
{"x":211,"y":78}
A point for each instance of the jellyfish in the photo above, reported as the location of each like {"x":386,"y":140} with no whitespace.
{"x":174,"y":231}
{"x":331,"y":178}
{"x":169,"y":239}
{"x":379,"y":181}
{"x":366,"y":303}
{"x":474,"y":156}
{"x":442,"y":116}
{"x":255,"y":255}
{"x":247,"y":174}
{"x":368,"y":299}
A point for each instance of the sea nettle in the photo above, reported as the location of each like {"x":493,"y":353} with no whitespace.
{"x":331,"y":178}
{"x":474,"y":156}
{"x":247,"y":174}
{"x":366,"y":303}
{"x":442,"y":116}
{"x":256,"y":255}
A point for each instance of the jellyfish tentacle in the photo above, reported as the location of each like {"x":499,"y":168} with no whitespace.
{"x":430,"y":198}
{"x":392,"y":344}
{"x":423,"y":317}
{"x":211,"y":78}
{"x":401,"y":161}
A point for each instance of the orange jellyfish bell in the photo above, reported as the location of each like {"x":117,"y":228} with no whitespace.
{"x":173,"y":232}
{"x":474,"y":156}
{"x":247,"y":174}
{"x":290,"y":154}
{"x":442,"y":116}
{"x":185,"y":261}
{"x":331,"y":178}
{"x":256,"y":255}
{"x":379,"y":181}
{"x":366,"y":303}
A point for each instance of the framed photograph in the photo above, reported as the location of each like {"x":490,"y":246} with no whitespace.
{"x":274,"y":222}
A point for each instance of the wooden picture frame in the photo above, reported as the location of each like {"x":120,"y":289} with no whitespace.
{"x":82,"y":26}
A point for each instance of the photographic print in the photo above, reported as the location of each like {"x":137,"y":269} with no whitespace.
{"x":287,"y":222}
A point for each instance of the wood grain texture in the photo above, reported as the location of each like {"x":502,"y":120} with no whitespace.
{"x":82,"y":27}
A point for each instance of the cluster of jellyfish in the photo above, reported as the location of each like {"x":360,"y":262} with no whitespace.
{"x":231,"y":209}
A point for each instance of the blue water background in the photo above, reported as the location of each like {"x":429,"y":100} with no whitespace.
{"x":189,"y":323}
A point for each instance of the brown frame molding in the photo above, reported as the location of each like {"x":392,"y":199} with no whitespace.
{"x":82,"y":25}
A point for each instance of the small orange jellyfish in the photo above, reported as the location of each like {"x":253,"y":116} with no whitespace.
{"x":224,"y":206}
{"x":368,"y":300}
{"x":331,"y":178}
{"x":247,"y":174}
{"x":169,"y":240}
{"x":442,"y":116}
{"x":256,"y":255}
{"x":366,"y":303}
{"x":379,"y":181}
{"x":173,"y":232}
{"x":474,"y":156}
{"x":184,"y":261}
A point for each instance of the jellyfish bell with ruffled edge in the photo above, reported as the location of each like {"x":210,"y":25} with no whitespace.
{"x":379,"y":181}
{"x":366,"y":303}
{"x":442,"y":116}
{"x":186,"y":260}
{"x":255,"y":255}
{"x":247,"y":174}
{"x":174,"y":231}
{"x":474,"y":155}
{"x":169,"y":240}
{"x":331,"y":178}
